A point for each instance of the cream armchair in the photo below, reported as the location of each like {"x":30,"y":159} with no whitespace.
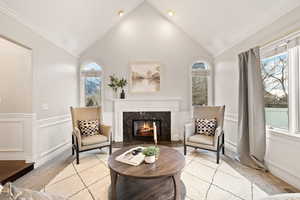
{"x":212,"y":143}
{"x":85,"y":143}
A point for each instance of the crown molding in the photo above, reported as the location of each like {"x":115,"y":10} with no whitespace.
{"x":13,"y":14}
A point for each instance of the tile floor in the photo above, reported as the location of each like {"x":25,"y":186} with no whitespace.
{"x":204,"y":179}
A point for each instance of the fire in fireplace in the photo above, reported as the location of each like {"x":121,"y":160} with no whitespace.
{"x":138,"y":126}
{"x":143,"y":128}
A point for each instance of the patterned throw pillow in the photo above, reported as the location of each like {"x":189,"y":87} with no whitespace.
{"x":206,"y":126}
{"x":89,"y":127}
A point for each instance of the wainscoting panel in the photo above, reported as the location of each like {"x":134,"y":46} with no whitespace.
{"x":281,"y":153}
{"x":17,"y":138}
{"x":282,"y":156}
{"x":230,"y":130}
{"x":13,"y":135}
{"x":53,"y":136}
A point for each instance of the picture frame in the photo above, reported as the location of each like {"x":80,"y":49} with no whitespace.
{"x":144,"y":77}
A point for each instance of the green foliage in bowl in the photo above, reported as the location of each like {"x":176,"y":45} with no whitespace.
{"x":151,"y":151}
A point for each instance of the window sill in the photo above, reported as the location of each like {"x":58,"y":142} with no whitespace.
{"x":283,"y":134}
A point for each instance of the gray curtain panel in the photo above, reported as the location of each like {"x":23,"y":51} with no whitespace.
{"x":251,"y":118}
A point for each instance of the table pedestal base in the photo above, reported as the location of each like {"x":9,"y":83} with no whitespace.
{"x":147,"y":189}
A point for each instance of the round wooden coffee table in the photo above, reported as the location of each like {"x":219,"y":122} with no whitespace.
{"x":159,"y":181}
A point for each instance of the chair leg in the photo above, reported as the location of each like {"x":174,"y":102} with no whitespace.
{"x":184,"y":149}
{"x":73,"y":146}
{"x":77,"y":157}
{"x":110,"y":149}
{"x":223,"y":147}
{"x":218,"y":156}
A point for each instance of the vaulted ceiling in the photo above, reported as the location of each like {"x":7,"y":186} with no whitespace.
{"x":216,"y":25}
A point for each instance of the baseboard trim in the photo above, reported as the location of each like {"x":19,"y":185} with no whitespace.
{"x":283,"y":174}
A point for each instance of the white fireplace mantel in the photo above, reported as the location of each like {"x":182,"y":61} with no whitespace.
{"x":145,"y":105}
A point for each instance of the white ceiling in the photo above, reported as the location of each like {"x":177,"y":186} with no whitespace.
{"x":71,"y":24}
{"x":220,"y":24}
{"x":215,"y":24}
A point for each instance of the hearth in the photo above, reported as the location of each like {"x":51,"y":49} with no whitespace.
{"x":138,"y":126}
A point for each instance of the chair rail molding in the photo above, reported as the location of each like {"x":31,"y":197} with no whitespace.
{"x":52,"y":121}
{"x":233,"y":117}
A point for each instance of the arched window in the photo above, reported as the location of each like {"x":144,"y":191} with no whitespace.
{"x":200,"y":83}
{"x":91,"y":85}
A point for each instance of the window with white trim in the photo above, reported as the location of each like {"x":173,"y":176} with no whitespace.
{"x":91,"y":85}
{"x":200,"y":83}
{"x":280,"y":74}
{"x":275,"y":80}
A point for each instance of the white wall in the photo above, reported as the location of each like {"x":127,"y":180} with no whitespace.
{"x":54,"y":90}
{"x":15,"y":78}
{"x":145,"y":35}
{"x":282,"y":151}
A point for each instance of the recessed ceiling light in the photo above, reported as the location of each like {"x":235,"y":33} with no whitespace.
{"x":121,"y":13}
{"x":171,"y":13}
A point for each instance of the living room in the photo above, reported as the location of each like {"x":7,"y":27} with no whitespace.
{"x":211,"y":88}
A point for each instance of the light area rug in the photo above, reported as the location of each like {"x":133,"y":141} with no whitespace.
{"x":203,"y":178}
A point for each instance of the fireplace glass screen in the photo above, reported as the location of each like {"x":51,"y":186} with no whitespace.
{"x":144,"y":128}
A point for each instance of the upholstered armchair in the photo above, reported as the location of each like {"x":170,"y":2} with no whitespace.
{"x":200,"y":141}
{"x":80,"y":142}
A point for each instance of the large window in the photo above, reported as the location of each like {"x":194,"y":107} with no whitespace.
{"x":199,"y":84}
{"x":91,"y":84}
{"x":280,"y":74}
{"x":276,"y":90}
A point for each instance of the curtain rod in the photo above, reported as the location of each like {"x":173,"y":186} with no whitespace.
{"x":282,"y":37}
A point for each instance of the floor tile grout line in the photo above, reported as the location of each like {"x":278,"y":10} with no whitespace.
{"x":78,"y":174}
{"x":98,"y":180}
{"x":48,"y":184}
{"x":212,"y":180}
{"x":88,"y":167}
{"x":222,"y":171}
{"x":84,"y":183}
{"x":192,"y":160}
{"x":197,"y":177}
{"x":228,"y":191}
{"x":63,"y":179}
{"x":198,"y":161}
{"x":60,"y":180}
{"x":74,"y":168}
{"x":212,"y":183}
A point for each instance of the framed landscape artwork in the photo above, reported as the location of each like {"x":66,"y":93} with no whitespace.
{"x":144,"y":77}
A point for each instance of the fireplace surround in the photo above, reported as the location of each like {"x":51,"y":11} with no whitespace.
{"x":138,"y":126}
{"x":171,"y":104}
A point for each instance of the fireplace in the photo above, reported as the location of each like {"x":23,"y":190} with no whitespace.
{"x":143,"y":129}
{"x":138,"y":126}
